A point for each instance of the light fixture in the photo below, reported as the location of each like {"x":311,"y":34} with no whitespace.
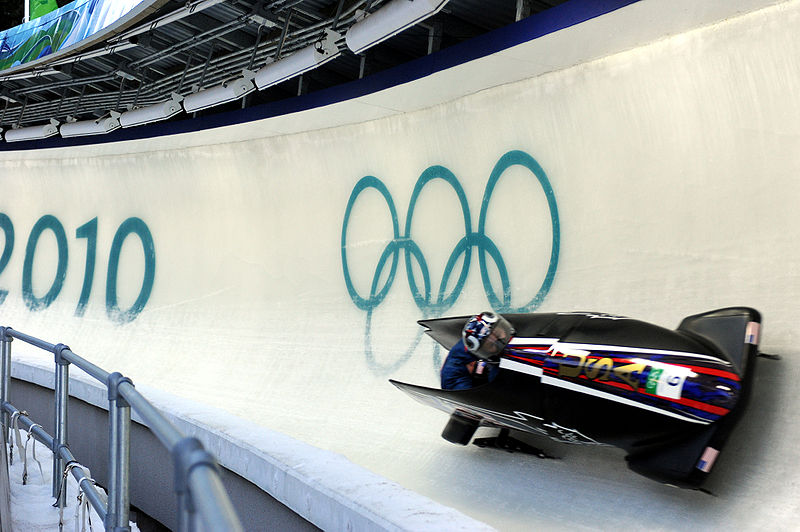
{"x":152,"y":113}
{"x":101,"y":126}
{"x":33,"y":132}
{"x":301,"y":61}
{"x":388,"y":21}
{"x":227,"y":92}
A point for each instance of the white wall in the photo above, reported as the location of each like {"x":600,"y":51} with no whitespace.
{"x":674,"y":169}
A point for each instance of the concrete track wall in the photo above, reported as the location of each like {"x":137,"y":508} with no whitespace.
{"x":151,"y":465}
{"x":656,"y":182}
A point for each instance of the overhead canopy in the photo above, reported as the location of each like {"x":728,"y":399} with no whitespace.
{"x":184,"y":48}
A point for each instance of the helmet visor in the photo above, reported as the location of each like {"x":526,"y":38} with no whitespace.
{"x":496,"y":341}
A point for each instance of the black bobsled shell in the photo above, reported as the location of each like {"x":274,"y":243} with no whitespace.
{"x":578,"y":327}
{"x":725,"y":329}
{"x":447,"y":331}
{"x":631,"y":333}
{"x":675,"y":460}
{"x":683,"y":462}
{"x":669,"y":438}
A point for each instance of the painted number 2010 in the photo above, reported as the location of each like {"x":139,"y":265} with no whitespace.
{"x":131,"y":226}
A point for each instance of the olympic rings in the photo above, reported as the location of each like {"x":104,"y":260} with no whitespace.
{"x":472,"y":239}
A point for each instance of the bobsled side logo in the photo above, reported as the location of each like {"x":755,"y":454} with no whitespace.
{"x":652,"y":381}
{"x":663,"y":381}
{"x":574,"y":365}
{"x":431,"y":304}
{"x":667,"y":381}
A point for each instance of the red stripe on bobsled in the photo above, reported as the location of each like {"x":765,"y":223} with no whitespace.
{"x":682,"y":401}
{"x":711,"y":371}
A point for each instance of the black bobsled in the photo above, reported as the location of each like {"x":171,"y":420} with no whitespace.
{"x":670,"y":398}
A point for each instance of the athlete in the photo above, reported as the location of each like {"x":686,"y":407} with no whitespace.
{"x":475,"y":358}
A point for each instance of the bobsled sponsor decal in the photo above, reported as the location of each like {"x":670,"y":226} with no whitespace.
{"x":531,"y":367}
{"x":667,"y":381}
{"x":575,"y":363}
{"x":752,"y":333}
{"x":706,"y":461}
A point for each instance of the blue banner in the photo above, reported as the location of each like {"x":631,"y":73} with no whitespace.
{"x":59,"y":29}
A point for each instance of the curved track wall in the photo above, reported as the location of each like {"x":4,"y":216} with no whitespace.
{"x":280,"y":276}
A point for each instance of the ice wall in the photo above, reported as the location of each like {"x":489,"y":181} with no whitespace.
{"x":280,"y":277}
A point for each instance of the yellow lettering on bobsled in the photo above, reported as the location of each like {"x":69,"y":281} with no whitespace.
{"x":574,"y":363}
{"x":599,"y":369}
{"x":626,"y":374}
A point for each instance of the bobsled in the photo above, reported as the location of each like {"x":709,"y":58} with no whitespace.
{"x":669,"y":398}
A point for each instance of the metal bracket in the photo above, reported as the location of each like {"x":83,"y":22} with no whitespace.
{"x":58,"y":352}
{"x":114,"y":380}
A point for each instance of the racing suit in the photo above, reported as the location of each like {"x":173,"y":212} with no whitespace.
{"x":456,"y":373}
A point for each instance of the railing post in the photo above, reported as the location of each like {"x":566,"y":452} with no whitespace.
{"x":187,"y":454}
{"x":5,"y":376}
{"x":60,"y":432}
{"x":119,"y":426}
{"x":185,"y":512}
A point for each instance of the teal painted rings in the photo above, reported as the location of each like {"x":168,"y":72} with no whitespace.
{"x":421,"y":289}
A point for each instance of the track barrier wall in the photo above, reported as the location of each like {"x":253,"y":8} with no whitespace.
{"x":276,"y":269}
{"x":197,"y":484}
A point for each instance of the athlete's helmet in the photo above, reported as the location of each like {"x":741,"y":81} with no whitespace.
{"x":486,"y":334}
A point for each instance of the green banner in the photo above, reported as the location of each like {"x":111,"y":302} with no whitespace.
{"x":41,"y":7}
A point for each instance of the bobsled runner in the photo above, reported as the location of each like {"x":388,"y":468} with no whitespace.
{"x":670,"y":398}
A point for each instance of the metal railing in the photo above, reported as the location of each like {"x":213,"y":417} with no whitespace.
{"x":198,"y":487}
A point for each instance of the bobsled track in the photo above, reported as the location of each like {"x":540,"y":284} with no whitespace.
{"x":644,"y":162}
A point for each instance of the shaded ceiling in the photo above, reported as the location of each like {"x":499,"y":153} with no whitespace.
{"x":184,"y":47}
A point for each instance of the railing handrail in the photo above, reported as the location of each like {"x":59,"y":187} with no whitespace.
{"x":198,"y":484}
{"x":36,"y":430}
